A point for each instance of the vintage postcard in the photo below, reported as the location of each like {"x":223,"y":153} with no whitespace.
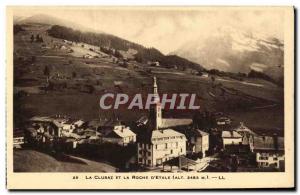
{"x":150,"y":97}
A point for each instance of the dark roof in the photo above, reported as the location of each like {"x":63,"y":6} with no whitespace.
{"x":96,"y":123}
{"x":18,"y":133}
{"x":112,"y":123}
{"x":196,"y":133}
{"x":113,"y":134}
{"x":268,"y":131}
{"x":180,"y":159}
{"x":174,"y":122}
{"x":268,"y":143}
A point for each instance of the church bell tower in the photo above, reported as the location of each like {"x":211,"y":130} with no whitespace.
{"x":155,"y":109}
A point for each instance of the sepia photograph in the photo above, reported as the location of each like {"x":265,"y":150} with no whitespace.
{"x":158,"y":93}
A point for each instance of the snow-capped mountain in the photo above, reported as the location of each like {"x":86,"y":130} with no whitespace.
{"x":234,"y":50}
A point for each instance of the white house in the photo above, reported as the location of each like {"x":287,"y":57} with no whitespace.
{"x":269,"y":159}
{"x":231,"y":138}
{"x":121,"y":136}
{"x":160,"y":146}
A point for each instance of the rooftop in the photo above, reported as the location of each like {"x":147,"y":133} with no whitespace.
{"x":126,"y":132}
{"x":231,"y":134}
{"x":173,"y":122}
{"x":180,"y":161}
{"x":201,"y":133}
{"x":166,"y":133}
{"x":242,"y":129}
{"x":268,"y":143}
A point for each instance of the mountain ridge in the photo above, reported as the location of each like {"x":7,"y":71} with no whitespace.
{"x":233,"y":50}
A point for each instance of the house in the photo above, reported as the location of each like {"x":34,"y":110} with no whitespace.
{"x":198,"y":141}
{"x":18,"y":139}
{"x":242,"y":129}
{"x":107,"y":126}
{"x":159,"y":146}
{"x":142,"y":121}
{"x":223,"y":121}
{"x":121,"y":136}
{"x":155,"y":63}
{"x":94,"y":124}
{"x":269,"y":151}
{"x":47,"y":125}
{"x":231,"y":138}
{"x":69,"y":125}
{"x":18,"y":142}
{"x":247,"y":134}
{"x":155,"y":144}
{"x":87,"y":56}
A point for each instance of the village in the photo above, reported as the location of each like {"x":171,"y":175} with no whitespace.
{"x":208,"y":142}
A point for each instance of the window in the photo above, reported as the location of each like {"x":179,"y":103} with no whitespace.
{"x":166,"y":145}
{"x":149,"y":162}
{"x":181,"y":150}
{"x":275,"y":158}
{"x":149,"y":146}
{"x":149,"y":153}
{"x":156,"y":146}
{"x":171,"y":151}
{"x":141,"y":152}
{"x":176,"y":144}
{"x":140,"y":160}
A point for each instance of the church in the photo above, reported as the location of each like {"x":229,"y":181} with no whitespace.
{"x":158,"y":143}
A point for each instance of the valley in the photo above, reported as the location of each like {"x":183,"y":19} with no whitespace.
{"x":79,"y":73}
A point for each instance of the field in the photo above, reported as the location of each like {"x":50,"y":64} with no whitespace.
{"x":256,"y":102}
{"x":33,"y":161}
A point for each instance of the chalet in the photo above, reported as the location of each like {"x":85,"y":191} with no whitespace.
{"x":269,"y":151}
{"x":94,"y":124}
{"x":155,"y":63}
{"x":46,"y":125}
{"x":110,"y":125}
{"x":18,"y":139}
{"x":247,"y":134}
{"x":121,"y":136}
{"x":223,"y":121}
{"x":231,"y":138}
{"x":69,"y":125}
{"x":198,"y":142}
{"x":242,"y":129}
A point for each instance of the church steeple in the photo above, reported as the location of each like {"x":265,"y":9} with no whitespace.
{"x":155,"y":110}
{"x":154,"y":86}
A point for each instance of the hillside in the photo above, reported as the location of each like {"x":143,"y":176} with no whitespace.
{"x":75,"y":81}
{"x":115,"y":44}
{"x":34,"y":161}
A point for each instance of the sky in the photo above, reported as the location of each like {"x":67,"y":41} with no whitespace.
{"x":167,"y":29}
